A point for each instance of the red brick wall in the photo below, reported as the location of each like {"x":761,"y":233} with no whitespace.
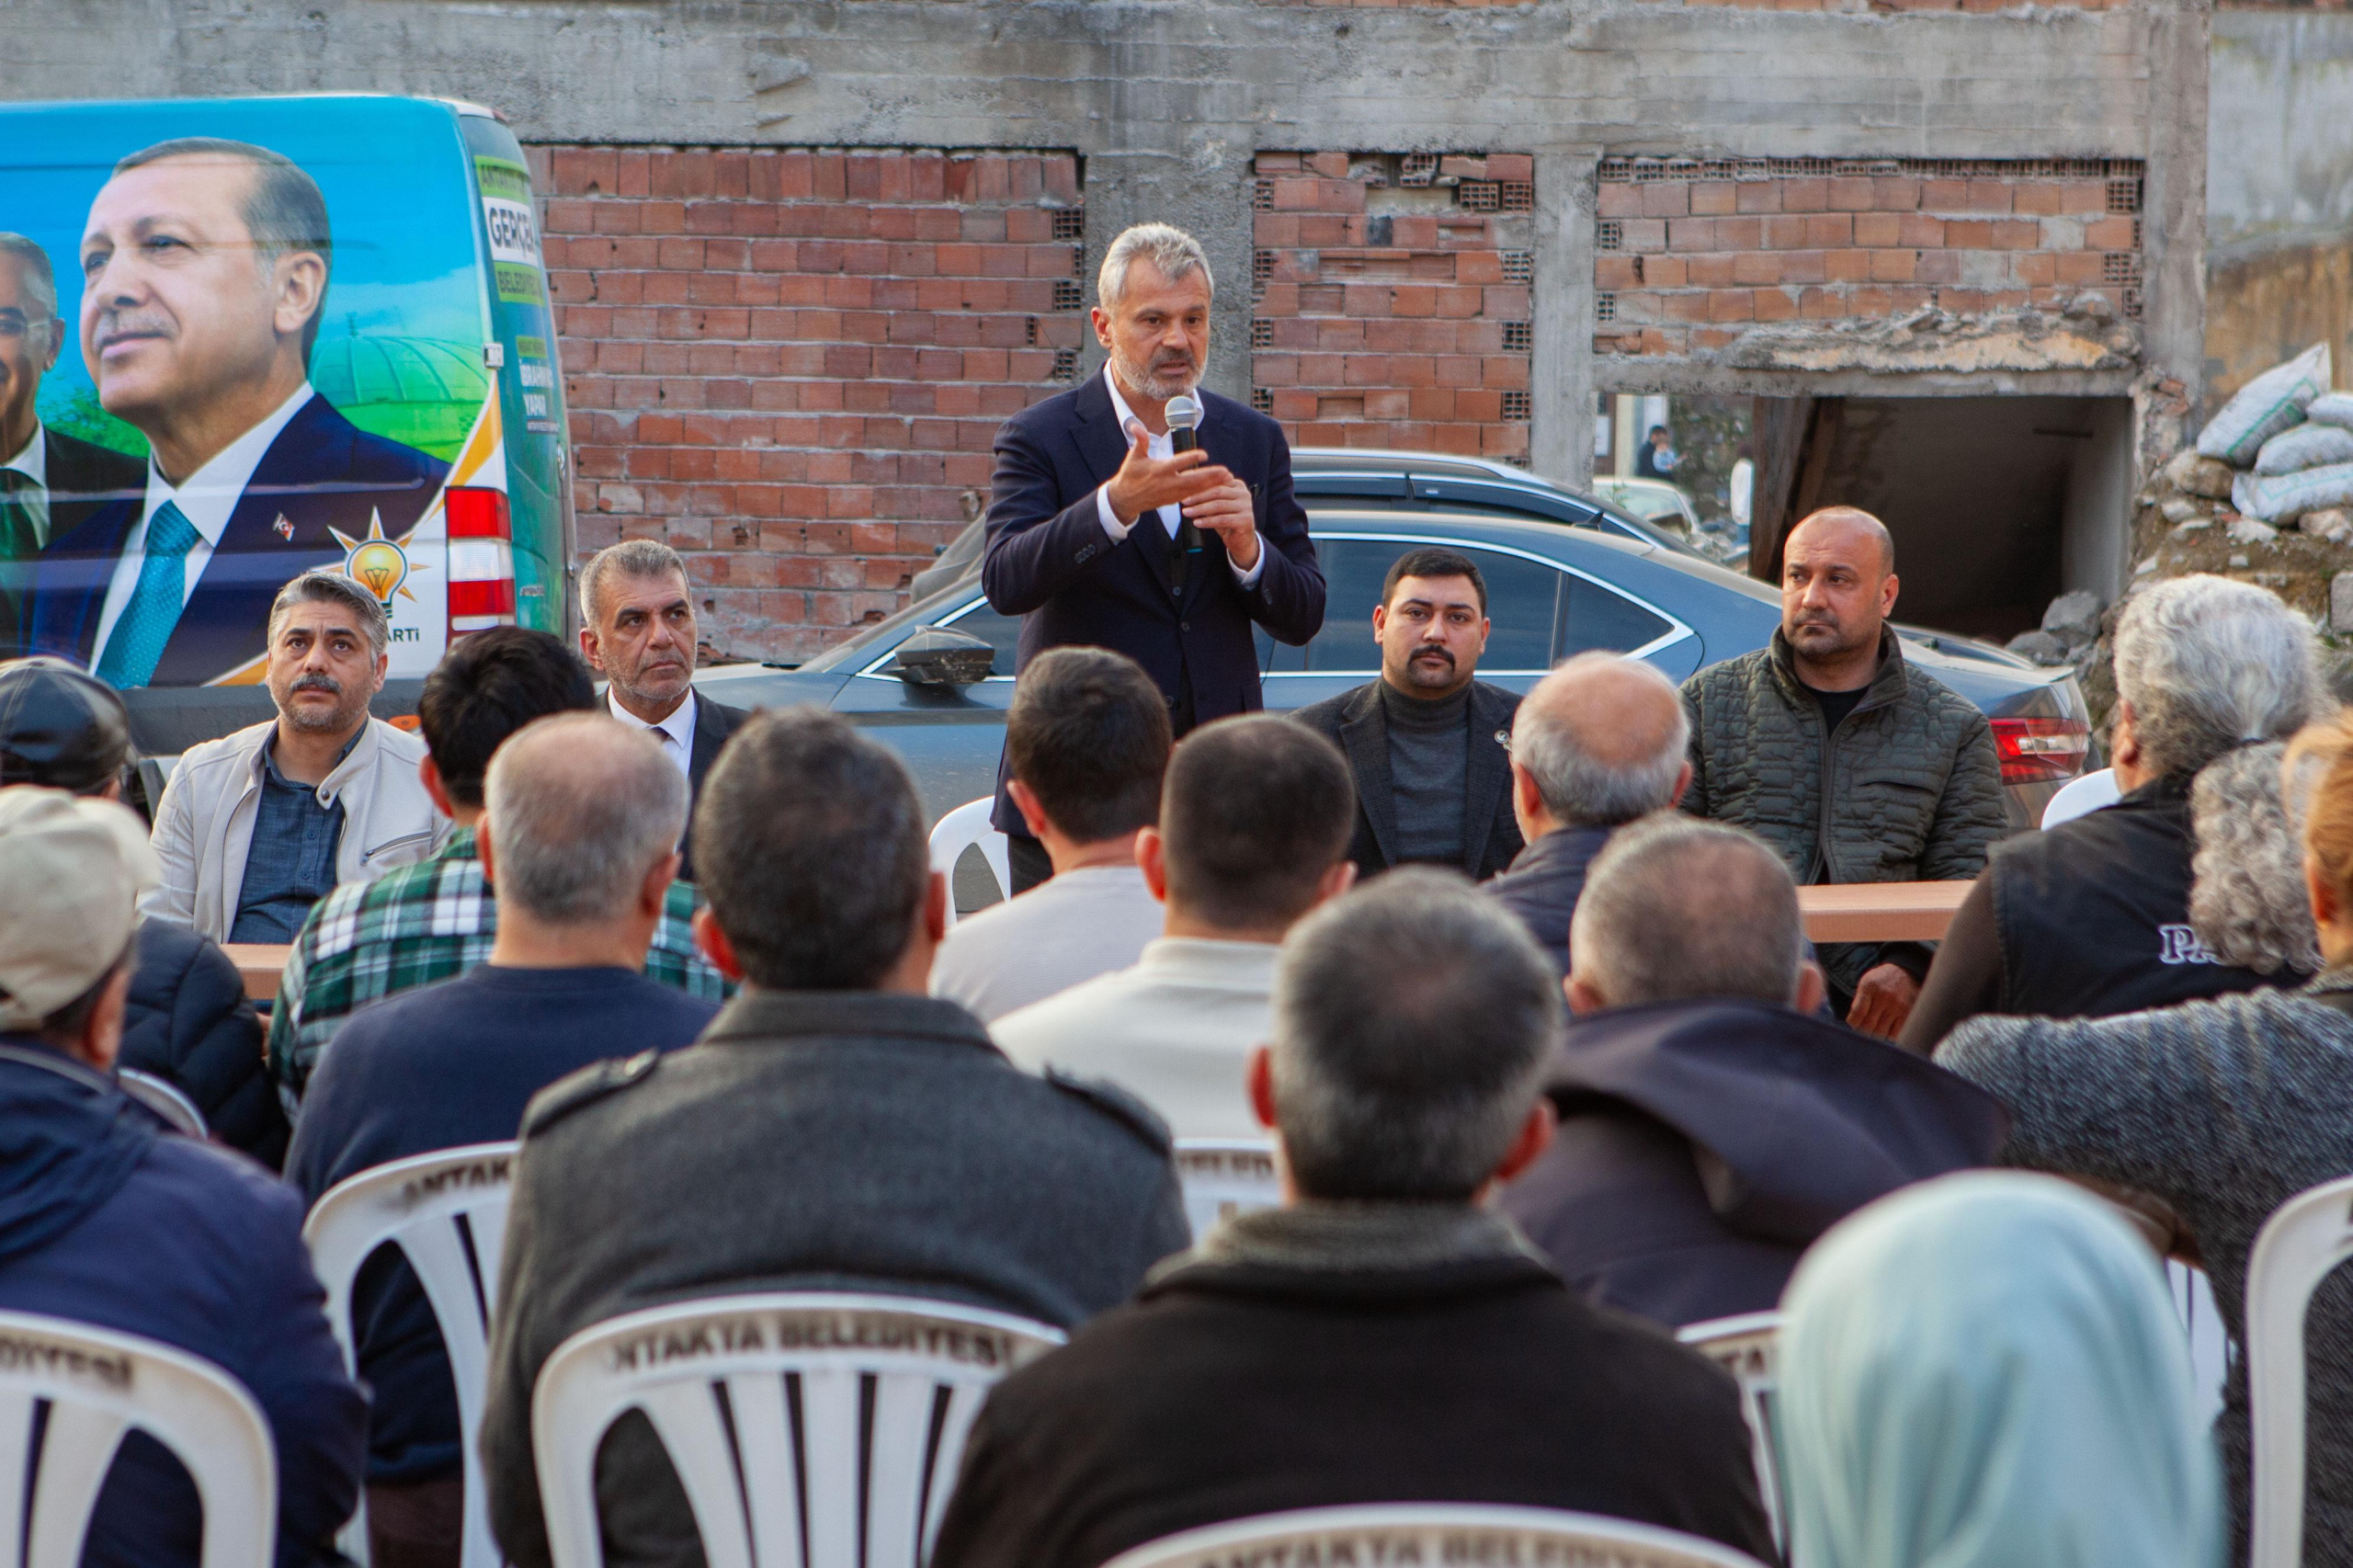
{"x":1392,"y":299}
{"x":791,"y":363}
{"x":1690,"y":255}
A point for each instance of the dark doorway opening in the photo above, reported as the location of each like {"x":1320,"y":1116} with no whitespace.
{"x":1998,"y":504}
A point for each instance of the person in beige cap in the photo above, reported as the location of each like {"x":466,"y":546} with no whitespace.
{"x":109,"y":1218}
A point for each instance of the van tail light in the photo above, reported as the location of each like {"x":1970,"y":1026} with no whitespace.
{"x":481,"y":559}
{"x":2040,"y":751}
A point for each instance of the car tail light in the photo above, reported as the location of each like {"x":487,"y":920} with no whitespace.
{"x":481,"y":559}
{"x":2040,"y":751}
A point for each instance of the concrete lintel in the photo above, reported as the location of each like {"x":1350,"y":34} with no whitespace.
{"x":1618,"y":374}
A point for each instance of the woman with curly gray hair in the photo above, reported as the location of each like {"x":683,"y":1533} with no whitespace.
{"x":2190,"y":885}
{"x":2220,"y":1109}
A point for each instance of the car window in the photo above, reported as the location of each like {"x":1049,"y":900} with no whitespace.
{"x":1522,"y":601}
{"x":1002,"y":632}
{"x":1592,"y":618}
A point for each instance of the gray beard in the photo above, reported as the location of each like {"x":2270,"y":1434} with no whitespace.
{"x":1136,"y":383}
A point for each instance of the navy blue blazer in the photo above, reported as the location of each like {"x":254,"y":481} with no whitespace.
{"x":1048,"y":560}
{"x":321,"y":472}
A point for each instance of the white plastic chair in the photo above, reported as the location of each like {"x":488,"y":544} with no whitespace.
{"x":962,"y":829}
{"x":768,"y":1400}
{"x":164,"y":1098}
{"x":100,"y":1384}
{"x":1433,"y":1533}
{"x":1225,"y":1176}
{"x":1749,"y":1347}
{"x":2082,"y":796}
{"x":446,"y":1212}
{"x":2210,"y":1341}
{"x":2304,"y":1239}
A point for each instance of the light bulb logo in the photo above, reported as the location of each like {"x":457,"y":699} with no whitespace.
{"x":378,"y":565}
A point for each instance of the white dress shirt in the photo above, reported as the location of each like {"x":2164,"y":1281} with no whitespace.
{"x":1162,"y":447}
{"x":1081,"y":924}
{"x":205,"y":498}
{"x":32,"y":462}
{"x":674,"y":735}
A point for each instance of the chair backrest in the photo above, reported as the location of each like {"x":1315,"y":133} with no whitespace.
{"x":99,"y":1385}
{"x":1223,"y":1176}
{"x":162,"y":1097}
{"x":777,"y":1402}
{"x":1749,"y":1347}
{"x":446,"y":1212}
{"x":2304,"y":1239}
{"x":1433,"y":1533}
{"x":962,"y":829}
{"x":2081,"y":796}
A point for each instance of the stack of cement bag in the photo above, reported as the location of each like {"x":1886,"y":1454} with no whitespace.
{"x":2290,"y":441}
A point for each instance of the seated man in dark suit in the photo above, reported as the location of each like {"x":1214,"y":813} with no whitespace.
{"x":834,"y":1129}
{"x":1711,"y":1126}
{"x":1382,"y":1338}
{"x":1428,"y":740}
{"x":1072,"y":551}
{"x":49,"y":481}
{"x":203,"y":344}
{"x":637,"y":630}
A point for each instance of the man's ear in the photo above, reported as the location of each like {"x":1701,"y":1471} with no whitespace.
{"x":1535,"y":1137}
{"x":430,"y":777}
{"x":383,"y":668}
{"x":1682,"y":782}
{"x":715,"y":945}
{"x":484,"y":852}
{"x":935,"y":908}
{"x":1338,"y":878}
{"x":654,"y":892}
{"x":1583,"y":998}
{"x":2125,"y":736}
{"x":1260,"y":1078}
{"x":1152,"y":860}
{"x":1887,"y":587}
{"x":1527,"y":801}
{"x":1025,"y":801}
{"x":1380,"y":620}
{"x":301,"y":279}
{"x":1811,"y":988}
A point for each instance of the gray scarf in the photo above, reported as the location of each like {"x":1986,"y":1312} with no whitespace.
{"x":1350,"y":1237}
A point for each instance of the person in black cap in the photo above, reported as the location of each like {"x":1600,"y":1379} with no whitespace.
{"x":187,"y":1020}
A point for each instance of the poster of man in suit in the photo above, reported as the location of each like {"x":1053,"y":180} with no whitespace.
{"x":205,"y":263}
{"x":50,"y":482}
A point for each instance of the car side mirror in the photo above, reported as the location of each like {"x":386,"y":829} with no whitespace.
{"x":941,"y":656}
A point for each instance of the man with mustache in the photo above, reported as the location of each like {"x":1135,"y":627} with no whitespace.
{"x":1426,"y":741}
{"x":257,"y":826}
{"x":49,"y":481}
{"x":1853,"y":765}
{"x":204,"y":266}
{"x":1100,"y":533}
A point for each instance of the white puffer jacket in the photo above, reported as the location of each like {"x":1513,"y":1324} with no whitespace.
{"x":205,"y":824}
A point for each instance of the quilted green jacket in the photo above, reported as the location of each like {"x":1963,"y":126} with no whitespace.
{"x":1907,"y":790}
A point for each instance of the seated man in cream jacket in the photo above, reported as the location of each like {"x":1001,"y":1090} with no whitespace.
{"x":257,"y":826}
{"x":1254,"y":820}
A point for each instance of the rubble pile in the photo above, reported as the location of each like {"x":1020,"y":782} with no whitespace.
{"x":2232,"y":505}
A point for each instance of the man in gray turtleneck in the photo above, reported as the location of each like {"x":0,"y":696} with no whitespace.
{"x":1426,"y":740}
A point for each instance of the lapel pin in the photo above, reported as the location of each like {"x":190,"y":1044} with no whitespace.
{"x":285,"y":529}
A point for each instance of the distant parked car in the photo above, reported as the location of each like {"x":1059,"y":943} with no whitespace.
{"x":1553,"y":591}
{"x":1654,"y":500}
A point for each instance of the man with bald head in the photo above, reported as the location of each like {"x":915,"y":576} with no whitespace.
{"x":1853,"y":765}
{"x":1667,"y":1191}
{"x":580,"y":840}
{"x":1599,"y":743}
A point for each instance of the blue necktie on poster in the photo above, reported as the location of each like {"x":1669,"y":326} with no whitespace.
{"x":147,"y":620}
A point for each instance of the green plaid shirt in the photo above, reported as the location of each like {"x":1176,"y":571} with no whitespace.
{"x":416,"y":925}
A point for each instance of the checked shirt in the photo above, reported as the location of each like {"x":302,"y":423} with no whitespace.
{"x":413,"y":927}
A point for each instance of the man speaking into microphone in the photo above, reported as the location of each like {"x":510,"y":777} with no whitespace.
{"x":1107,"y":528}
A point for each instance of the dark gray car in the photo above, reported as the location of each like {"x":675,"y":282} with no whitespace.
{"x":1553,"y":591}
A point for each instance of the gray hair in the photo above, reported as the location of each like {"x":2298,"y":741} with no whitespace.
{"x":639,"y":558}
{"x":1411,"y":1021}
{"x":1675,"y":909}
{"x":322,"y":585}
{"x":1567,"y":747}
{"x":2210,"y":664}
{"x":39,"y":278}
{"x":2247,"y":899}
{"x":580,"y":808}
{"x":285,"y":211}
{"x":1176,"y":253}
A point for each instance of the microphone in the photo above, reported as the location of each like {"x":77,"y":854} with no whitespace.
{"x":1184,"y":415}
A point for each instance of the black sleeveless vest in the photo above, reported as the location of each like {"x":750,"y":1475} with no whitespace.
{"x":2094,"y":915}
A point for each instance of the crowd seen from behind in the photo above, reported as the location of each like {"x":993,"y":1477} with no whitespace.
{"x":1514,"y":989}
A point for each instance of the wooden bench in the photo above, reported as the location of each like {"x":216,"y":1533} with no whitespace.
{"x":1860,"y":911}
